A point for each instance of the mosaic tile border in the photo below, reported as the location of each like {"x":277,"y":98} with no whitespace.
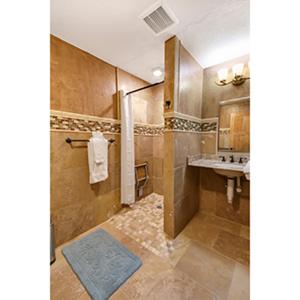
{"x":66,"y":121}
{"x":83,"y":123}
{"x":177,"y":114}
{"x":145,"y":129}
{"x":185,"y":125}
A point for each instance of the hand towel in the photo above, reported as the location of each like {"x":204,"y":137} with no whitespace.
{"x":98,"y":157}
{"x":97,"y":143}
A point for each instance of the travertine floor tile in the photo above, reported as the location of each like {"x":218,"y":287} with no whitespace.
{"x":233,"y":246}
{"x":211,"y":270}
{"x":85,"y":296}
{"x":119,"y":295}
{"x":221,"y":223}
{"x":180,"y":244}
{"x":64,"y":283}
{"x":201,"y":231}
{"x":240,"y":285}
{"x":177,"y":285}
{"x":245,"y":232}
{"x":141,"y":282}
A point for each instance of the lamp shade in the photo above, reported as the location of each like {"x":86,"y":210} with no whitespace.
{"x":222,"y":74}
{"x":237,"y":70}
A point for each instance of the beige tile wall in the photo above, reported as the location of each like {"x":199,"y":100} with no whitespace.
{"x":144,"y":153}
{"x":212,"y":192}
{"x":185,"y":179}
{"x":169,"y":202}
{"x":77,"y":206}
{"x":190,"y":84}
{"x":80,"y":82}
{"x":213,"y":199}
{"x":183,"y":87}
{"x":213,"y":94}
{"x":158,"y":164}
{"x":84,"y":84}
{"x":148,"y":103}
{"x":208,"y":143}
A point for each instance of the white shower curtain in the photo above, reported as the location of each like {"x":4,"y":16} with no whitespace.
{"x":127,"y":150}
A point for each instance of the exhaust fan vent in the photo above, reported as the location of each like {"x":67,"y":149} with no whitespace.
{"x":159,"y":19}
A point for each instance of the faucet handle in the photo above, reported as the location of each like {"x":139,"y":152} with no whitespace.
{"x":241,"y":160}
{"x":223,"y":157}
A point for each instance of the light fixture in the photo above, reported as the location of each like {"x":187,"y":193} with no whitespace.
{"x":157,"y":72}
{"x":237,"y":73}
{"x":222,"y":75}
{"x":237,"y":70}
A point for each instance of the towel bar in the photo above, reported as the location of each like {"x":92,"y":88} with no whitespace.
{"x":70,"y":141}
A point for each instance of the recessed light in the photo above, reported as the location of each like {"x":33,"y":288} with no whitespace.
{"x":157,"y":72}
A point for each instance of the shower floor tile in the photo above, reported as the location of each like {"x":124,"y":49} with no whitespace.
{"x":143,"y":222}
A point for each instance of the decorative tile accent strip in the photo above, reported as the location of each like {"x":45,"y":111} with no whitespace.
{"x":176,"y":114}
{"x":60,"y":120}
{"x":146,"y":129}
{"x":179,"y":124}
{"x":80,"y":124}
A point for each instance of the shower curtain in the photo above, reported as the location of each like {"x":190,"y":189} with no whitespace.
{"x":127,"y":150}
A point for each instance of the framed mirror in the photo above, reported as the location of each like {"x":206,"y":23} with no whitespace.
{"x":234,"y":125}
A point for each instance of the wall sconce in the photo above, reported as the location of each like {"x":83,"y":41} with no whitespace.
{"x":237,"y":72}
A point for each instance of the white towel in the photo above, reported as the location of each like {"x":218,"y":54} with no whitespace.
{"x":246,"y":170}
{"x":97,"y":144}
{"x":98,"y":157}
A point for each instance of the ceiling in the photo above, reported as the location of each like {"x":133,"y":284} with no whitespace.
{"x":213,"y":31}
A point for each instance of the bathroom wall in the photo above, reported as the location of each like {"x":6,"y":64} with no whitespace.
{"x":212,"y":193}
{"x":191,"y":128}
{"x":213,"y":94}
{"x":84,"y":99}
{"x":158,"y":164}
{"x":80,"y":82}
{"x":148,"y":109}
{"x":183,"y":87}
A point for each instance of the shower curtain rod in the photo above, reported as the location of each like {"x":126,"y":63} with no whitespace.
{"x":145,"y":87}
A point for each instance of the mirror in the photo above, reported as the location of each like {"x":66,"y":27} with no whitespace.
{"x":234,"y":125}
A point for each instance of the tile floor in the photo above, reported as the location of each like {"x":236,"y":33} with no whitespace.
{"x":209,"y":259}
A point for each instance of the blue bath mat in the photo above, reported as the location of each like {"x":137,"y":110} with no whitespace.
{"x":101,"y":263}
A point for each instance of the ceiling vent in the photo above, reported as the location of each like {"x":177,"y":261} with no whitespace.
{"x":159,"y":18}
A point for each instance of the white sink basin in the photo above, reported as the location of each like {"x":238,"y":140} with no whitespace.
{"x":227,"y":169}
{"x":228,"y":173}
